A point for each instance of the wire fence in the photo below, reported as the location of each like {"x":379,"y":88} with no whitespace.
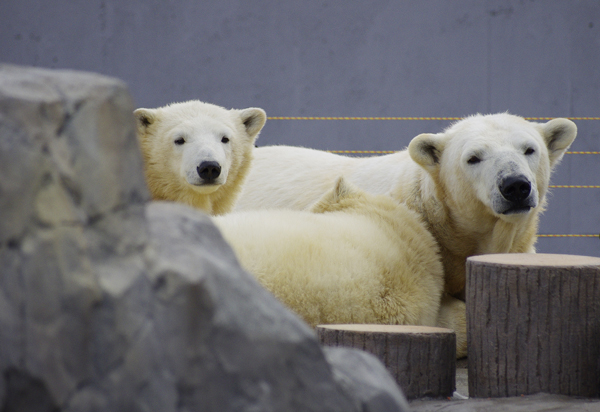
{"x":404,"y":118}
{"x":383,"y":152}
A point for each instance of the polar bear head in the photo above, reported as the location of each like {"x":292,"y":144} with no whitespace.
{"x":501,"y":162}
{"x":195,"y":147}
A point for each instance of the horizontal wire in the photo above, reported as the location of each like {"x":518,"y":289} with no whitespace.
{"x":403,"y":118}
{"x":363,"y":151}
{"x":549,"y":235}
{"x":357,"y":118}
{"x":570,"y":118}
{"x":576,"y":186}
{"x":395,"y":151}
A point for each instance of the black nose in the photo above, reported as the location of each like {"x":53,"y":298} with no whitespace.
{"x":515,"y":189}
{"x":209,"y":171}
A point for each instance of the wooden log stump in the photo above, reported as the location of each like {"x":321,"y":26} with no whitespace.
{"x":422,"y":359}
{"x":533,"y":325}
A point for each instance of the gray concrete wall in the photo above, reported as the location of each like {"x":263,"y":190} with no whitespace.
{"x":426,"y":58}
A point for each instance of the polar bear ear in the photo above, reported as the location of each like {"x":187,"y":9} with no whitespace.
{"x":331,"y":200}
{"x":426,"y":150}
{"x":253,"y":119}
{"x":342,"y":189}
{"x":144,"y":118}
{"x":559,"y":134}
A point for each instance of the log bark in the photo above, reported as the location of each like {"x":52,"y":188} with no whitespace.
{"x":533,"y":325}
{"x":421,"y":359}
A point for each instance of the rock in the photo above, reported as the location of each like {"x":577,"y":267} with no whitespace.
{"x":76,"y":129}
{"x":229,"y":339}
{"x":73,"y":233}
{"x":111,"y":303}
{"x":364,"y":375}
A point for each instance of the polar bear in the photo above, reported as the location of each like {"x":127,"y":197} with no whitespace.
{"x":198,"y":153}
{"x":353,"y":257}
{"x":479,"y":185}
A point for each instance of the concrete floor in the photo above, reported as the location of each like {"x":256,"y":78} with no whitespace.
{"x":531,"y":403}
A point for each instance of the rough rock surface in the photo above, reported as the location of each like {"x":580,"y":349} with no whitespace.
{"x":111,"y":303}
{"x":356,"y":372}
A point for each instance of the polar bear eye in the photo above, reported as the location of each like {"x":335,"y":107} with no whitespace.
{"x":179,"y":141}
{"x":225,"y":139}
{"x":473,"y":160}
{"x":529,"y":151}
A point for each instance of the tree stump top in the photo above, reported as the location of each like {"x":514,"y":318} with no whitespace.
{"x":374,"y":328}
{"x":537,"y":260}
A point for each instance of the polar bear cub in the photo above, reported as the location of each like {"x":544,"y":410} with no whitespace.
{"x":198,"y":153}
{"x":479,"y":185}
{"x":352,"y":258}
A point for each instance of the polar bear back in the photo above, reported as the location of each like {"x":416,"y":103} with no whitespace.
{"x":282,"y":172}
{"x":341,"y":267}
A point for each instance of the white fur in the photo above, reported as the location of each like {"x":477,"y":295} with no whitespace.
{"x":353,"y":258}
{"x":178,"y":139}
{"x":460,"y":202}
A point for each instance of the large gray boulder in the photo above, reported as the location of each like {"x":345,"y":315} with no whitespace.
{"x":109,"y":302}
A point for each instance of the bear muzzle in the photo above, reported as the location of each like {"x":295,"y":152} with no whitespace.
{"x":209,"y":171}
{"x":517,"y":195}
